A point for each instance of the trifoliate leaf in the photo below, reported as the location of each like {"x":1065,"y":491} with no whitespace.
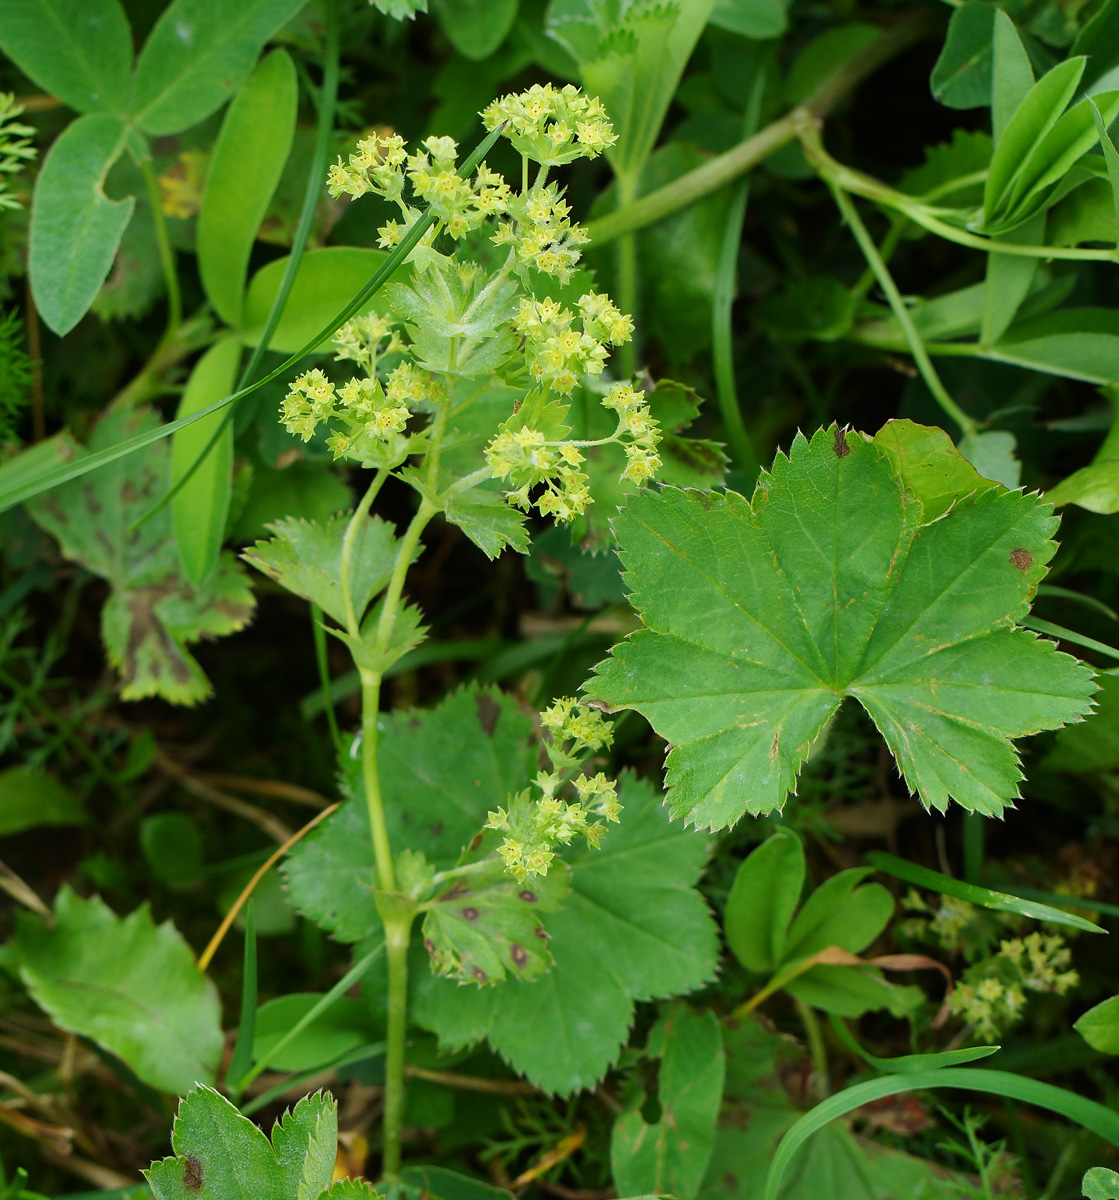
{"x":487,"y":925}
{"x":670,"y":1156}
{"x":153,"y":613}
{"x":441,"y":772}
{"x":306,"y":558}
{"x":761,"y":618}
{"x":219,"y":1152}
{"x":633,"y":928}
{"x":126,"y":983}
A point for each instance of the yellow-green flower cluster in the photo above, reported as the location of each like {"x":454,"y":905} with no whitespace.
{"x":553,"y":125}
{"x":559,"y":353}
{"x":992,"y":995}
{"x":376,"y":166}
{"x":639,"y":428}
{"x":524,"y":458}
{"x":533,"y":829}
{"x":370,"y":419}
{"x":462,"y":204}
{"x":542,"y":234}
{"x":360,"y":341}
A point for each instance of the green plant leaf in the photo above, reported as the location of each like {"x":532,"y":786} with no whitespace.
{"x":306,"y":558}
{"x":961,"y":77}
{"x":1110,"y":155}
{"x":901,"y":868}
{"x":77,"y":50}
{"x":1096,"y":486}
{"x":200,"y":508}
{"x":244,"y":169}
{"x":1078,"y":343}
{"x":125,"y":982}
{"x":757,"y":19}
{"x":441,"y":772}
{"x":991,"y":453}
{"x":1023,"y":136}
{"x":198,"y":55}
{"x":670,"y":1156}
{"x":632,"y":928}
{"x":326,"y":279}
{"x":152,"y":613}
{"x":219,"y":1151}
{"x":30,"y":799}
{"x":439,"y":1183}
{"x":75,"y":227}
{"x":761,"y":618}
{"x":824,"y":54}
{"x":1100,"y":1184}
{"x":342,"y":1027}
{"x":911,"y":1062}
{"x":762,"y":1070}
{"x":1093,"y":745}
{"x":1097,"y":38}
{"x":762,"y":900}
{"x":1012,"y":75}
{"x":840,"y":913}
{"x":485,"y":927}
{"x":929,"y":465}
{"x":475,"y":27}
{"x":1099,"y":1026}
{"x":819,"y":307}
{"x":632,"y":61}
{"x":1009,"y":278}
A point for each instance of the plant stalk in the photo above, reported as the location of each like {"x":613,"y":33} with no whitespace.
{"x":968,"y":426}
{"x":166,"y":252}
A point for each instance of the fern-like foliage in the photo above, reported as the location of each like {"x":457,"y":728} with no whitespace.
{"x":16,"y":150}
{"x":15,"y":375}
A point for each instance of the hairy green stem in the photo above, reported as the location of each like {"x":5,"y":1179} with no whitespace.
{"x":166,"y":253}
{"x":725,"y":168}
{"x":967,"y":425}
{"x":627,"y":277}
{"x":818,"y":1050}
{"x":349,"y":539}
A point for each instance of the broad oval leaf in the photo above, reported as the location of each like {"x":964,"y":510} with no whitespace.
{"x":127,"y":983}
{"x":75,"y":227}
{"x":245,"y":168}
{"x":763,"y":898}
{"x":77,"y":50}
{"x":200,"y":508}
{"x":197,"y":55}
{"x":325,"y":281}
{"x":30,"y":798}
{"x":761,"y":618}
{"x":961,"y":77}
{"x":1099,"y":1026}
{"x":475,"y":27}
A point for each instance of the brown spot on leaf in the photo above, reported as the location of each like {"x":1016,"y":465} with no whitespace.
{"x":479,"y":974}
{"x":841,"y":448}
{"x":470,"y":914}
{"x":542,"y":933}
{"x":529,"y":897}
{"x":475,"y":841}
{"x":1022,"y":559}
{"x":460,"y":889}
{"x":192,"y":1174}
{"x":488,"y":712}
{"x":518,"y":954}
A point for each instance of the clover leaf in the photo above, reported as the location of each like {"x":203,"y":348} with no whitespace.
{"x":762,"y":617}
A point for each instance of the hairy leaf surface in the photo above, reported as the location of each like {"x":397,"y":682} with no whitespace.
{"x":761,"y":618}
{"x":127,"y":983}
